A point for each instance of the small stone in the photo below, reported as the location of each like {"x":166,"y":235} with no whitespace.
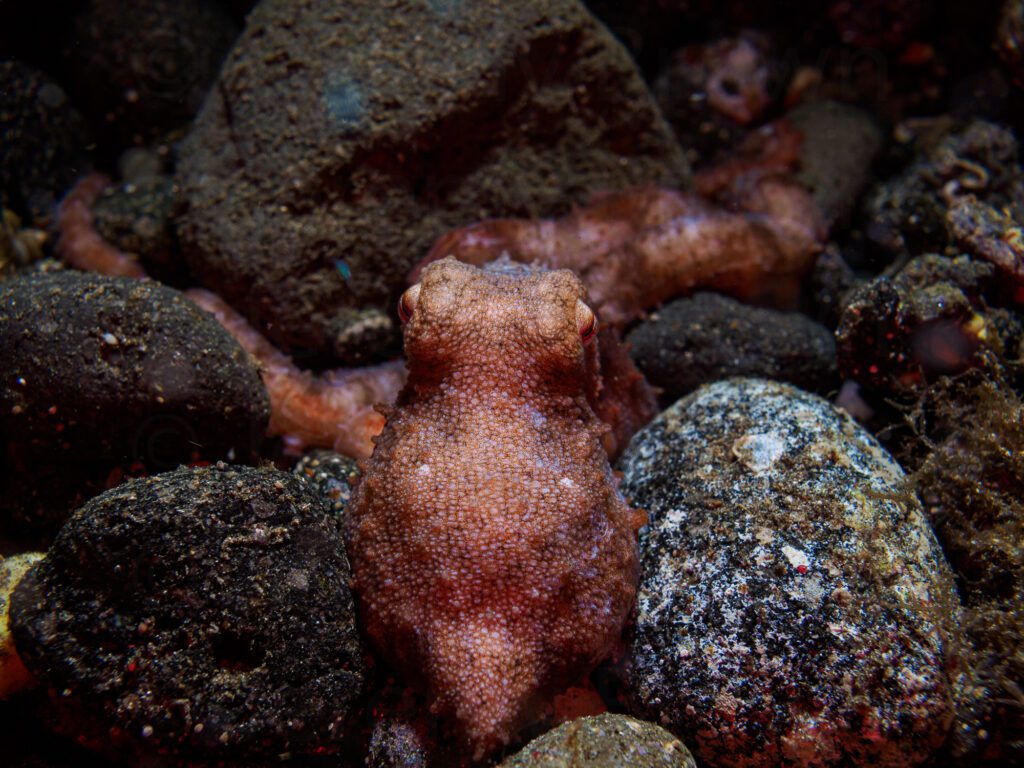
{"x":603,"y":741}
{"x":708,"y":337}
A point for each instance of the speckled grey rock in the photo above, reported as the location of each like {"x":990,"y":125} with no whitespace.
{"x":330,"y":475}
{"x":603,"y":741}
{"x":708,"y":337}
{"x":343,"y":138}
{"x":795,"y":608}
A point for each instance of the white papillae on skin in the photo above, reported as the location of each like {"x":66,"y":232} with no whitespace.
{"x":494,"y":559}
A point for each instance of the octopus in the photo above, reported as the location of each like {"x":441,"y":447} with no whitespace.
{"x":494,"y":558}
{"x":750,"y":230}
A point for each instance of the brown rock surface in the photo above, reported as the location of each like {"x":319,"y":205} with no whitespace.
{"x":361,"y":131}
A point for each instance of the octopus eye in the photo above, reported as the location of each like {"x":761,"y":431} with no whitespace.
{"x":586,"y":321}
{"x":407,"y":304}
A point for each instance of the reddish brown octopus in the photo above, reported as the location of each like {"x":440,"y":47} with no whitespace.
{"x":494,"y":558}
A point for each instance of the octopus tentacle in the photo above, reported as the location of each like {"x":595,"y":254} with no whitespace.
{"x":79,"y":244}
{"x":334,"y":409}
{"x":752,"y":232}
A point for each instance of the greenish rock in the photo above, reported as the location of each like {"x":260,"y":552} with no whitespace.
{"x":841,"y":143}
{"x":603,"y":741}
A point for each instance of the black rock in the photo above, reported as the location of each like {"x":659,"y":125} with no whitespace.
{"x":698,"y":340}
{"x":115,"y":369}
{"x":43,"y":141}
{"x":108,"y":376}
{"x":204,"y":613}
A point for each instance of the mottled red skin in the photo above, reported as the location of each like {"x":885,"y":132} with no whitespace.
{"x":752,"y":234}
{"x":494,"y":558}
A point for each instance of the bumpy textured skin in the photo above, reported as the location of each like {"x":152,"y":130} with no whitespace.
{"x":494,"y":557}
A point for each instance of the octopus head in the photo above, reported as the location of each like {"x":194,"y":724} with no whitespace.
{"x":506,"y":319}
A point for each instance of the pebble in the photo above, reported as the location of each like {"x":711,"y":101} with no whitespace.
{"x":603,"y":741}
{"x":698,"y":340}
{"x":110,"y":375}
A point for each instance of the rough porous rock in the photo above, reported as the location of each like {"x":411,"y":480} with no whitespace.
{"x":341,"y":139}
{"x":204,"y":613}
{"x":698,"y":340}
{"x":972,"y":487}
{"x":794,"y":607}
{"x":897,"y":334}
{"x":114,"y":369}
{"x":603,"y":741}
{"x":135,"y":217}
{"x":934,"y":201}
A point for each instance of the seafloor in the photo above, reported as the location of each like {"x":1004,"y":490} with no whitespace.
{"x":744,"y":487}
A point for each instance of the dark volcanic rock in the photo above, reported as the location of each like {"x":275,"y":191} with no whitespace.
{"x":342,"y":139}
{"x":898,"y":334}
{"x":42,"y":141}
{"x":794,"y":607}
{"x":204,"y":613}
{"x":110,"y":374}
{"x":114,"y":368}
{"x":976,"y":165}
{"x":841,"y":143}
{"x":698,"y":340}
{"x":603,"y":741}
{"x":135,"y":217}
{"x":144,"y":66}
